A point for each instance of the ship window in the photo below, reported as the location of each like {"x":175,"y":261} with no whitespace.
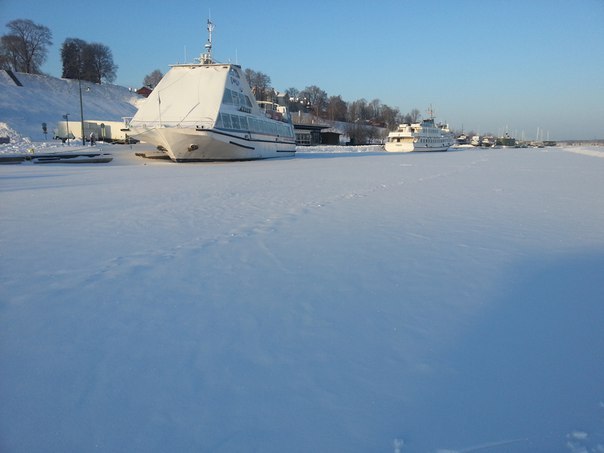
{"x":248,"y":103}
{"x":226,"y":120}
{"x":235,"y":121}
{"x":243,"y":123}
{"x":227,"y":97}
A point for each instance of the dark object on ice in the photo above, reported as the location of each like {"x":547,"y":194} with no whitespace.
{"x":57,"y":158}
{"x":71,"y":158}
{"x":162,"y":156}
{"x":11,"y":159}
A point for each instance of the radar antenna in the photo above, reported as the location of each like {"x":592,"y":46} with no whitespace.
{"x":206,"y":58}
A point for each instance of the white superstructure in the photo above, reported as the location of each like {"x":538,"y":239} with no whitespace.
{"x":206,"y":111}
{"x":424,"y":136}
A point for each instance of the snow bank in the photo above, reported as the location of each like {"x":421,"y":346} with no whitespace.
{"x":593,"y":151}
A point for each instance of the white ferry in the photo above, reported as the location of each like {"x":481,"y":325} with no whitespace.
{"x":424,"y":136}
{"x":206,"y":112}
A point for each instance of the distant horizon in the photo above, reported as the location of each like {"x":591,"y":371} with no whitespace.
{"x":483,"y":66}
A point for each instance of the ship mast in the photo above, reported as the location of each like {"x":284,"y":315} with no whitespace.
{"x":430,"y":112}
{"x":206,"y":58}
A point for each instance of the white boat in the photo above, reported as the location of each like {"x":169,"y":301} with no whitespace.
{"x":206,"y":112}
{"x":424,"y":136}
{"x":487,"y":142}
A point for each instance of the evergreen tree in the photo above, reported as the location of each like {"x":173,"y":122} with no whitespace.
{"x":71,"y":56}
{"x":91,"y":62}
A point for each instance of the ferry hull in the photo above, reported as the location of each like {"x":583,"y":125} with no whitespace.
{"x":426,"y":136}
{"x":410,"y":147}
{"x":192,"y":145}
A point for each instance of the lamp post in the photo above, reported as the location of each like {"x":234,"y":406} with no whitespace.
{"x":66,"y":116}
{"x":82,"y":113}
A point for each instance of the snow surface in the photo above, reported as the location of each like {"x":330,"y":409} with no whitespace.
{"x":336,"y":301}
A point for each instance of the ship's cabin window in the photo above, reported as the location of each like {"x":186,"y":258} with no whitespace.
{"x":236,"y":100}
{"x":235,"y":121}
{"x":227,"y":97}
{"x":233,"y":98}
{"x":254,"y":125}
{"x":226,"y":121}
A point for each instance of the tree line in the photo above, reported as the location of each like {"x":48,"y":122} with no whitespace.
{"x":317,"y":101}
{"x":364,"y":118}
{"x":25,"y":49}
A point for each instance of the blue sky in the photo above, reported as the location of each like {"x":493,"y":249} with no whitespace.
{"x":484,"y":65}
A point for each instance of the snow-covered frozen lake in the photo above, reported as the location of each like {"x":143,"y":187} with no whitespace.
{"x":333,"y":302}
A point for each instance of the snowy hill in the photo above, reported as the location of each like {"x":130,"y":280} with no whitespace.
{"x":45,"y":99}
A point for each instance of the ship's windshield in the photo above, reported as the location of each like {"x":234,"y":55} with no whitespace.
{"x":231,"y":97}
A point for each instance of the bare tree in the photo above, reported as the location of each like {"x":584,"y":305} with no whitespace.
{"x":317,"y":98}
{"x":292,"y":93}
{"x":357,"y":111}
{"x":415,"y":115}
{"x":98,"y":63}
{"x":293,"y":99}
{"x":358,"y":133}
{"x":151,"y":80}
{"x":391,"y":117}
{"x":336,"y":108}
{"x":374,"y":109}
{"x":260,"y":84}
{"x":25,"y":48}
